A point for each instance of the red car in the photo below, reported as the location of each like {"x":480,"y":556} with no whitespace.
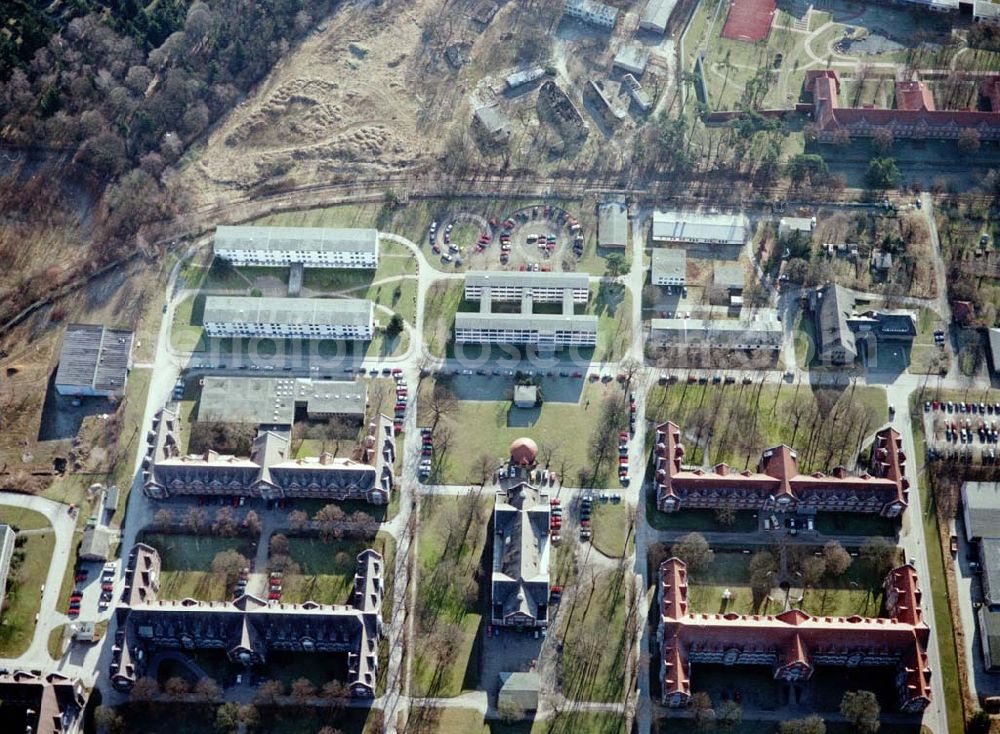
{"x":107,"y":587}
{"x":397,"y":371}
{"x":274,"y":595}
{"x":72,"y":612}
{"x":554,"y":502}
{"x":82,"y":576}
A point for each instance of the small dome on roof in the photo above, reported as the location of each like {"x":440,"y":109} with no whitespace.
{"x":523,"y":451}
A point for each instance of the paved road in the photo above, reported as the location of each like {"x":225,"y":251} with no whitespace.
{"x":50,"y":617}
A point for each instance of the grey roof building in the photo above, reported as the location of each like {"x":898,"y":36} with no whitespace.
{"x":514,"y":286}
{"x":248,"y":629}
{"x":716,"y":333}
{"x":612,"y":225}
{"x":981,"y":510}
{"x":273,"y":401}
{"x":555,"y":330}
{"x":271,"y":471}
{"x":632,"y":57}
{"x":7,"y":538}
{"x":525,"y":396}
{"x":989,"y":637}
{"x":993,"y":338}
{"x":96,"y":543}
{"x":94,"y":361}
{"x":832,"y":306}
{"x":302,"y":318}
{"x":520,"y":690}
{"x":314,"y":247}
{"x":698,"y":228}
{"x":730,"y":276}
{"x":520,"y":584}
{"x":656,"y":15}
{"x":37,"y":704}
{"x":493,"y":122}
{"x":669,"y":266}
{"x":981,"y":518}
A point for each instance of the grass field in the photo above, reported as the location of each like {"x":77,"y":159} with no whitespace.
{"x":856,"y":592}
{"x":944,"y":625}
{"x":453,"y":535}
{"x":427,"y":720}
{"x":595,"y":639}
{"x":696,"y":520}
{"x":22,"y":519}
{"x":612,"y":535}
{"x":481,"y":428}
{"x":187,"y":561}
{"x":199,"y":718}
{"x":24,"y":598}
{"x":327,"y":569}
{"x":826,"y":426}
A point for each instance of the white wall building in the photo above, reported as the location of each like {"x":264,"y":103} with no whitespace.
{"x":591,"y":11}
{"x":296,"y":318}
{"x":514,"y":286}
{"x":669,"y":267}
{"x":543,"y":330}
{"x":314,"y":247}
{"x":697,"y":228}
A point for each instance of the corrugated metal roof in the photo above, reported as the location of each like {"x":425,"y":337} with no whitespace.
{"x":696,"y":227}
{"x":612,"y":225}
{"x":293,"y":311}
{"x":315,"y":239}
{"x":94,"y":356}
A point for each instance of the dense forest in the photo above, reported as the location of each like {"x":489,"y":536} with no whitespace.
{"x":126,"y":87}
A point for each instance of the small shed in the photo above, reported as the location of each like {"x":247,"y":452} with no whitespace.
{"x":520,"y":690}
{"x":525,"y":396}
{"x":632,"y":58}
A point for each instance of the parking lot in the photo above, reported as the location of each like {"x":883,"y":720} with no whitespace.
{"x":965,"y":432}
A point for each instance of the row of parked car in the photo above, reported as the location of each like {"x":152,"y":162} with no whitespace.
{"x":555,"y":520}
{"x":402,"y":395}
{"x":586,"y":508}
{"x":426,"y":453}
{"x":623,"y":456}
{"x":953,"y":407}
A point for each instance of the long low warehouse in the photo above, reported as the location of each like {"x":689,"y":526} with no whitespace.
{"x":296,"y":318}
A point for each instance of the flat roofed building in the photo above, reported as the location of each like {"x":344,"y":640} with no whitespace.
{"x":717,"y":333}
{"x":295,"y":318}
{"x":271,"y":471}
{"x":273,"y":401}
{"x":985,"y":10}
{"x":94,"y":361}
{"x":778,"y":485}
{"x":37,"y":704}
{"x":519,"y":690}
{"x":988,"y":620}
{"x":981,"y":510}
{"x":656,"y":15}
{"x":7,"y":538}
{"x":248,"y":629}
{"x":521,"y":545}
{"x":669,"y":266}
{"x":612,"y":225}
{"x":632,"y":57}
{"x":545,"y":330}
{"x":513,"y":287}
{"x":794,"y":643}
{"x":993,"y":339}
{"x":314,"y":247}
{"x":730,"y":276}
{"x":494,"y":122}
{"x":698,"y":228}
{"x":799,"y":225}
{"x":591,"y":11}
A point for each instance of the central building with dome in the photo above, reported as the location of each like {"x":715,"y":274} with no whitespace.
{"x":522,"y":527}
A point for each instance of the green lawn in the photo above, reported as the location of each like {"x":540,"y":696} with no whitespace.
{"x":453,"y":535}
{"x":481,"y":428}
{"x":612,"y":304}
{"x":857,"y":591}
{"x":826,"y":426}
{"x":427,"y":720}
{"x":22,"y":519}
{"x":186,"y":564}
{"x":696,"y":520}
{"x":440,"y":305}
{"x":24,"y":597}
{"x":944,"y":626}
{"x":612,"y":535}
{"x":327,"y":569}
{"x":595,"y":639}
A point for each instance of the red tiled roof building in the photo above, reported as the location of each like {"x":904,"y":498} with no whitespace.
{"x":777,"y":485}
{"x":915,"y":117}
{"x":794,"y":643}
